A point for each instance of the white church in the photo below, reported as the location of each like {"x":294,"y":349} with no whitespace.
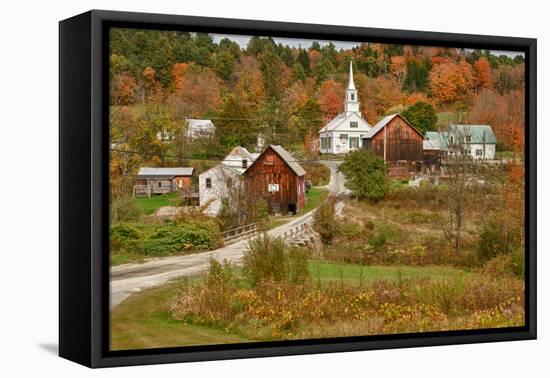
{"x":346,"y":131}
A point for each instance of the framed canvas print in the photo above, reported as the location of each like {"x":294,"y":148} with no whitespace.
{"x":234,"y":188}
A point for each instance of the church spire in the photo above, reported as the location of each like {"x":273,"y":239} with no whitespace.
{"x":351,"y":104}
{"x":351,"y":84}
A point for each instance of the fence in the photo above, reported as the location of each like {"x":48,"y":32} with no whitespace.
{"x":237,"y":233}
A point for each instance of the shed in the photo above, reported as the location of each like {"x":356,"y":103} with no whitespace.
{"x":278,"y":178}
{"x":153,"y":180}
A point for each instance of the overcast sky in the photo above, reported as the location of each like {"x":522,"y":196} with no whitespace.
{"x":242,"y":40}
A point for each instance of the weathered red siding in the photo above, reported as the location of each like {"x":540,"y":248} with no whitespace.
{"x":403,"y":143}
{"x":270,"y":168}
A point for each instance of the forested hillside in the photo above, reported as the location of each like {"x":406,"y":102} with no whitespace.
{"x":160,"y":78}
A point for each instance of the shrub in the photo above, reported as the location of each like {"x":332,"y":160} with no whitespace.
{"x":270,"y":259}
{"x":124,"y":237}
{"x":498,"y":236}
{"x":511,"y":264}
{"x":366,"y":175}
{"x":324,"y":221}
{"x":177,"y":237}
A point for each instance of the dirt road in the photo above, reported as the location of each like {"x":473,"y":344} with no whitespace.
{"x":132,"y":278}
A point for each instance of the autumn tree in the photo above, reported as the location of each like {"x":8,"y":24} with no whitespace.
{"x":451,"y":81}
{"x":422,"y":116}
{"x":398,"y":69}
{"x":331,"y":97}
{"x":482,"y":69}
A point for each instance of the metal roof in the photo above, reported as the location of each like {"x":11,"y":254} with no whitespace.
{"x":379,"y":126}
{"x":429,"y":144}
{"x":479,"y":134}
{"x":165,"y":172}
{"x":292,"y":163}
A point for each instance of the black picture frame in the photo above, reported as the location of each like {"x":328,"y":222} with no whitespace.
{"x":83,"y":195}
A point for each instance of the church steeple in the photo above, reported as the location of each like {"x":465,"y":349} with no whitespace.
{"x":351,"y":104}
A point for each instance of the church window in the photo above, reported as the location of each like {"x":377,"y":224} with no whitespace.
{"x":354,"y":124}
{"x":343,"y":136}
{"x":352,"y":96}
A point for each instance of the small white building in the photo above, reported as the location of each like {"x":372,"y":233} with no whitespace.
{"x":214,"y":183}
{"x":199,"y":128}
{"x":477,"y":141}
{"x":345,"y":132}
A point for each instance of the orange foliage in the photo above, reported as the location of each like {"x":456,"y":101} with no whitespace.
{"x":178,"y":72}
{"x":449,"y":82}
{"x":331,"y":96}
{"x":482,"y":73}
{"x":415,"y":97}
{"x":379,"y":95}
{"x":123,"y":89}
{"x":398,"y":68}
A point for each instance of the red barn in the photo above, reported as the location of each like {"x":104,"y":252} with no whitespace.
{"x":397,"y":142}
{"x":278,"y":178}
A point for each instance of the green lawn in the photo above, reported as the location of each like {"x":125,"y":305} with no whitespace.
{"x":144,"y":321}
{"x":351,"y":273}
{"x":151,"y":204}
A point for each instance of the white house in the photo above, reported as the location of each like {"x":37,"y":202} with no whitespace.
{"x":213,"y":183}
{"x":477,"y":141}
{"x":199,"y":128}
{"x":345,"y":132}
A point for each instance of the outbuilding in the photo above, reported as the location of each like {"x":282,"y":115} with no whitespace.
{"x":277,"y":177}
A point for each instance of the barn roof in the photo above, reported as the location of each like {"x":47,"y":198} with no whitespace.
{"x":292,"y":163}
{"x":149,"y":172}
{"x":383,"y":122}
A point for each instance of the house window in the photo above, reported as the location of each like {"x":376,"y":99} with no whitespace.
{"x":353,"y":142}
{"x":209,"y":182}
{"x":245,"y":163}
{"x":468,"y":138}
{"x":452,"y":139}
{"x":354,"y":124}
{"x":479,"y":152}
{"x":329,"y":142}
{"x":343,"y":136}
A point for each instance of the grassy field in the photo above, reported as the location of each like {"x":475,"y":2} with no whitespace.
{"x":149,"y":205}
{"x":356,"y":274}
{"x":144,"y":320}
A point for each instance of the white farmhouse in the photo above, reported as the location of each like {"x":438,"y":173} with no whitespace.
{"x":345,"y":132}
{"x":214,"y":183}
{"x":477,"y":141}
{"x":199,"y":128}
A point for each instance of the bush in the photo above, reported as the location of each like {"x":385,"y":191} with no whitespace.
{"x":124,"y":237}
{"x":512,"y":264}
{"x":177,"y":237}
{"x":324,"y":221}
{"x":366,"y":175}
{"x":270,"y":259}
{"x":498,"y":236}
